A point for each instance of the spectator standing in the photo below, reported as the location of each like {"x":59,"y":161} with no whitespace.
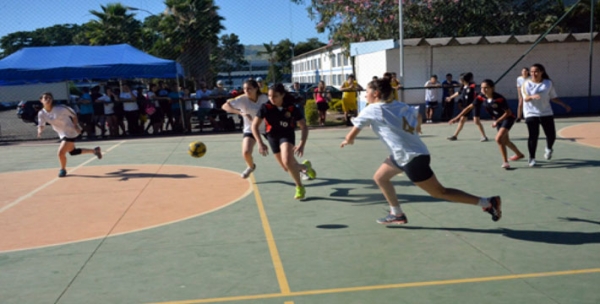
{"x":64,"y":121}
{"x":154,"y":110}
{"x":86,"y":113}
{"x":119,"y":111}
{"x":108,"y":102}
{"x":264,"y":88}
{"x":520,"y":80}
{"x":466,"y":96}
{"x":205,"y":105}
{"x":130,"y":106}
{"x":448,"y":89}
{"x":322,"y":98}
{"x":99,"y":119}
{"x":165,"y":105}
{"x":432,"y":96}
{"x":350,"y":89}
{"x":538,"y":91}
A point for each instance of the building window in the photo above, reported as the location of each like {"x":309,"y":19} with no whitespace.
{"x":345,"y":60}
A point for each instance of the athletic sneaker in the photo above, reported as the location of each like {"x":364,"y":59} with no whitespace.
{"x":505,"y":165}
{"x":516,"y":157}
{"x":548,"y":154}
{"x":248,"y":170}
{"x":532,"y":162}
{"x":62,"y":173}
{"x":312,"y":174}
{"x":98,"y":153}
{"x":304,"y":176}
{"x":300,"y":193}
{"x":495,"y":208}
{"x":391,"y":219}
{"x":483,"y":139}
{"x":451,"y":138}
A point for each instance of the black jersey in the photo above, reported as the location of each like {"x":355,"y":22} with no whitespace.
{"x":279,"y":120}
{"x":496,"y":105}
{"x":467,"y":94}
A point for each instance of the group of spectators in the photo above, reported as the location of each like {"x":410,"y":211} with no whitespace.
{"x":121,"y":110}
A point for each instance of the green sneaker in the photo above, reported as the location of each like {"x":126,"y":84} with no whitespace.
{"x":312,"y":174}
{"x":300,"y":193}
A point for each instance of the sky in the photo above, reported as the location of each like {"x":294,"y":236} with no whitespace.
{"x":254,"y":21}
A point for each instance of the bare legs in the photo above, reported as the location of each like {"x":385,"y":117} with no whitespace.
{"x":503,"y":141}
{"x":248,"y":144}
{"x":66,"y":147}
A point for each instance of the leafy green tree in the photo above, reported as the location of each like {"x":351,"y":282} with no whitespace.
{"x":49,"y":36}
{"x":283,"y":56}
{"x":578,"y":20}
{"x":229,"y":55}
{"x":113,"y":26}
{"x":362,"y":20}
{"x":190,"y":28}
{"x":305,"y":47}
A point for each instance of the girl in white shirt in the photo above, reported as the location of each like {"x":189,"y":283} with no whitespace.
{"x":109,"y":112}
{"x":247,"y":105}
{"x":64,"y":121}
{"x":538,"y":91}
{"x":395,"y":124}
{"x":520,"y":80}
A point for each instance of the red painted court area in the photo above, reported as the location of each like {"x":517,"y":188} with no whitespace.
{"x":40,"y":209}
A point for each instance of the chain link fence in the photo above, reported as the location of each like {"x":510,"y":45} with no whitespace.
{"x":500,"y":39}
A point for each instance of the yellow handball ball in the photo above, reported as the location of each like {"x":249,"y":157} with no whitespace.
{"x":197,"y":149}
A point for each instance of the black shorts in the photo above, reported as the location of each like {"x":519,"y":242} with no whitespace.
{"x":276,"y":141}
{"x":507,"y":124}
{"x":431,"y":104}
{"x":417,"y":170}
{"x":68,"y":139}
{"x":322,"y":106}
{"x":252,"y":135}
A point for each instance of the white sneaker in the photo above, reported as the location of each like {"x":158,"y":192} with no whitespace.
{"x":483,"y":139}
{"x":505,"y":166}
{"x":531,"y":162}
{"x":248,"y":170}
{"x":304,"y":176}
{"x":548,"y":154}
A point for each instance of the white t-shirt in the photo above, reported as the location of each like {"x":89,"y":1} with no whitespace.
{"x":131,"y":105}
{"x":395,"y":124}
{"x":61,"y":119}
{"x":538,"y":107}
{"x":108,"y":105}
{"x":520,"y":81}
{"x":432,"y":94}
{"x":247,"y":106}
{"x":206,"y":103}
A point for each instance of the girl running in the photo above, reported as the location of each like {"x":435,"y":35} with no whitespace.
{"x":394,"y":123}
{"x":503,"y":117}
{"x":246,"y":105}
{"x":538,"y":91}
{"x":64,"y":121}
{"x":467,"y":96}
{"x":281,"y":116}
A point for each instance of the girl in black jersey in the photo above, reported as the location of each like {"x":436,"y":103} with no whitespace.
{"x":496,"y":105}
{"x":281,"y":116}
{"x":467,"y":96}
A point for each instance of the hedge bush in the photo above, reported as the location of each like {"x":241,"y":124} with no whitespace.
{"x":312,"y":114}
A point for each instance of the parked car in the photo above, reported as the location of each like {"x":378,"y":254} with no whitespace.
{"x":335,"y":92}
{"x":5,"y":105}
{"x":28,"y":110}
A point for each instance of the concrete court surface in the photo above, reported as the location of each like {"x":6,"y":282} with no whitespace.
{"x":150,"y":224}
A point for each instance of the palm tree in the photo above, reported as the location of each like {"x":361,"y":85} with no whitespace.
{"x":192,"y":28}
{"x":113,"y":26}
{"x":271,"y":52}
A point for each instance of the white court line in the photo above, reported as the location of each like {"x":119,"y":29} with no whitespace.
{"x":44,"y":186}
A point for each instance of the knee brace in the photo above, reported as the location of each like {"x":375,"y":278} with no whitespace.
{"x":75,"y":152}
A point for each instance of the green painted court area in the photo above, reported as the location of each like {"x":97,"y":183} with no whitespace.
{"x":269,"y":248}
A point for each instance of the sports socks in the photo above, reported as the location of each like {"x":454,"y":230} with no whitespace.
{"x":395,"y":210}
{"x":484,"y":202}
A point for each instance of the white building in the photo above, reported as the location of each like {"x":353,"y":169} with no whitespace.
{"x":565,"y":56}
{"x":327,"y":63}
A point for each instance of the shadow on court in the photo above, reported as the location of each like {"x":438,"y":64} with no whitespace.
{"x":549,"y":237}
{"x":124,"y":174}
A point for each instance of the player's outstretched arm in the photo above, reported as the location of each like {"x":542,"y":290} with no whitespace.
{"x":350,"y":137}
{"x":262,"y":148}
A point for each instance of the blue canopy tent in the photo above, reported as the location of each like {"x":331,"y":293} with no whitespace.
{"x":77,"y":62}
